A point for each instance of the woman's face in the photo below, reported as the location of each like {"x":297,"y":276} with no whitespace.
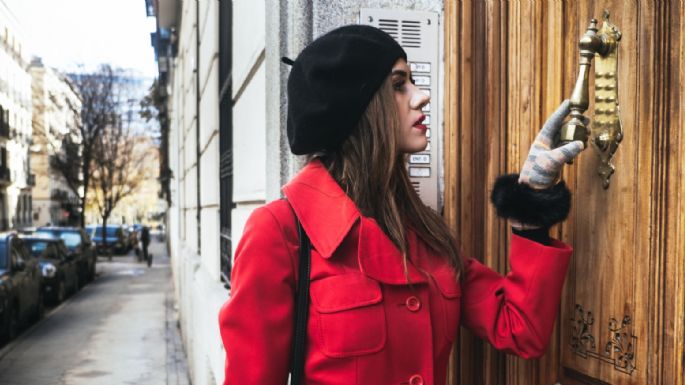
{"x":410,"y":99}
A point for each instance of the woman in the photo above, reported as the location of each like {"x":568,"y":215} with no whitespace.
{"x":388,"y":287}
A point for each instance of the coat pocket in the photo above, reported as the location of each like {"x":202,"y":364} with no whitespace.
{"x":450,"y":291}
{"x":349,"y":314}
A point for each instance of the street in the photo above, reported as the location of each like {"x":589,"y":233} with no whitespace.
{"x":120,"y":329}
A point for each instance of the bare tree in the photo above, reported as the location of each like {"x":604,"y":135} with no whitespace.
{"x":118,"y":169}
{"x":99,"y":109}
{"x":68,"y":162}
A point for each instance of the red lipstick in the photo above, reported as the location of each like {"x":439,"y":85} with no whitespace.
{"x":419,"y":123}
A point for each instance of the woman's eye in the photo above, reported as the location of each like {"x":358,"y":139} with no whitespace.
{"x":412,"y":80}
{"x":398,"y":86}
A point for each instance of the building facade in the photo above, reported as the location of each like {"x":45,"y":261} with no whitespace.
{"x":16,"y":180}
{"x":56,"y":114}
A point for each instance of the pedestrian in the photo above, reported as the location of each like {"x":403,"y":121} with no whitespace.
{"x":145,"y":239}
{"x":388,"y":287}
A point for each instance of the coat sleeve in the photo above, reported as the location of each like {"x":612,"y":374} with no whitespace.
{"x":516,"y":313}
{"x":256,"y":323}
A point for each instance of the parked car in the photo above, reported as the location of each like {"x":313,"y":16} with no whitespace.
{"x":78,"y":241}
{"x":117,"y":241}
{"x":21,"y":295}
{"x":59,"y":267}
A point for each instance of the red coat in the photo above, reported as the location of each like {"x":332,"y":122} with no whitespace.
{"x":367,"y":325}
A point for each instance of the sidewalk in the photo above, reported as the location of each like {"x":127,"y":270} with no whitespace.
{"x":120,"y":329}
{"x":135,"y":351}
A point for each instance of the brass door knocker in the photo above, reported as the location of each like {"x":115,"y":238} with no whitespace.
{"x":607,"y":131}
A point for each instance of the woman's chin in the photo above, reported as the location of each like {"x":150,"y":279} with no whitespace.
{"x":415,"y":146}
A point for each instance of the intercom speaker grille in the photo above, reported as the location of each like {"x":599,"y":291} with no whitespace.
{"x":406,"y":32}
{"x":390,"y":26}
{"x":411,"y":33}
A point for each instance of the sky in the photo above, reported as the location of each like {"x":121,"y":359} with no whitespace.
{"x":69,"y":33}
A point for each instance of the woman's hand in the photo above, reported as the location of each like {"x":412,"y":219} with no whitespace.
{"x":544,"y":162}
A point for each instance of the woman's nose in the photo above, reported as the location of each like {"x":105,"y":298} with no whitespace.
{"x":419,"y":99}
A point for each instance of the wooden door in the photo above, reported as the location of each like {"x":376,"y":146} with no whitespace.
{"x":508,"y":66}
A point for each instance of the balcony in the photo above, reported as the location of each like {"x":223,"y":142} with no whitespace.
{"x":5,"y":178}
{"x":31,"y":180}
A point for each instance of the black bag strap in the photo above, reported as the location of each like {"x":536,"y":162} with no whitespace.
{"x":301,"y":307}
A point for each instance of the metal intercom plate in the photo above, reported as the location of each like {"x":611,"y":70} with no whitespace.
{"x":418,"y":33}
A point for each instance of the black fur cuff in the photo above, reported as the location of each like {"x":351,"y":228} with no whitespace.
{"x":529,"y":206}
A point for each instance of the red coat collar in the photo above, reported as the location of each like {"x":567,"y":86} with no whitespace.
{"x":327,"y":215}
{"x":323,"y":208}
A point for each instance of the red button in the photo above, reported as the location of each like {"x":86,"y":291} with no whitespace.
{"x":413,"y":304}
{"x":416,"y":380}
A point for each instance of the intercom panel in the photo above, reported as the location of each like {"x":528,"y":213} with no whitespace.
{"x":418,"y":33}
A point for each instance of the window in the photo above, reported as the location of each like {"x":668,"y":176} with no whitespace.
{"x":18,"y":212}
{"x":4,"y":263}
{"x":72,"y":239}
{"x":225,"y":139}
{"x":39,"y":248}
{"x":19,"y":252}
{"x":4,"y":224}
{"x":150,"y":8}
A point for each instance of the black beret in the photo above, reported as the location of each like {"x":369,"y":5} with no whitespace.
{"x":332,"y":82}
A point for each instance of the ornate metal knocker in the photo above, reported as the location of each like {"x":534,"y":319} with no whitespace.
{"x":607,"y":131}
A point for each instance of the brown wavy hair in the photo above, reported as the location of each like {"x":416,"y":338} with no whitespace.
{"x":371,"y":170}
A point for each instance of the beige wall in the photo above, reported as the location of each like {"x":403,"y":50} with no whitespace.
{"x":196,"y":269}
{"x":54,"y":101}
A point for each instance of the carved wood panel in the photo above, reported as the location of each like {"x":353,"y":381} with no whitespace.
{"x":508,"y":65}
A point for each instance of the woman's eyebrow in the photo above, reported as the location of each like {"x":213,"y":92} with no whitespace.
{"x":399,"y":72}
